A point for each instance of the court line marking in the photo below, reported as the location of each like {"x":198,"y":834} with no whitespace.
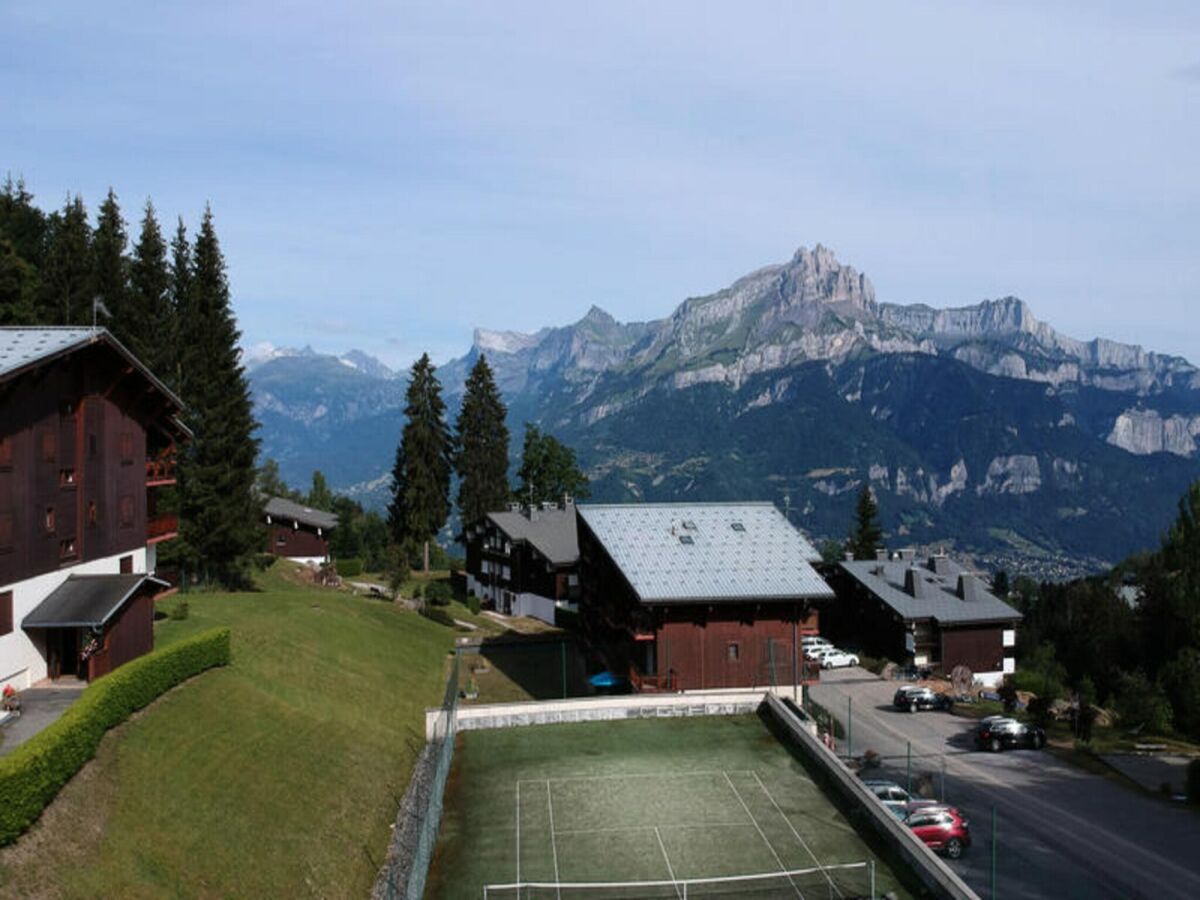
{"x":803,"y":844}
{"x":561,"y":778}
{"x":762,"y":834}
{"x":553,"y":842}
{"x":619,"y":828}
{"x":518,"y":831}
{"x":670,"y":871}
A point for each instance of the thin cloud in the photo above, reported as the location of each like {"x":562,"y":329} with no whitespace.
{"x":1188,"y":73}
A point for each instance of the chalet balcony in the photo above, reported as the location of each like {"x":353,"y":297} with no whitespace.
{"x":160,"y":470}
{"x":161,"y":528}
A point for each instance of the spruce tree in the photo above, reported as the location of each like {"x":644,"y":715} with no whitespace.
{"x":18,"y":288}
{"x":481,"y":456}
{"x":319,"y":495}
{"x":110,"y":270}
{"x":221,"y":511}
{"x":866,"y":534}
{"x":67,"y":282}
{"x":23,"y":224}
{"x":179,"y":286}
{"x":150,"y":324}
{"x":549,"y":471}
{"x":421,"y":475}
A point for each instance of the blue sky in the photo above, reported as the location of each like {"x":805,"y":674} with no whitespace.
{"x":387,"y":176}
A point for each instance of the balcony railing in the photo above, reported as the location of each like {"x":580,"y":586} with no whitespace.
{"x":649,"y":684}
{"x":160,"y":469}
{"x":161,"y":528}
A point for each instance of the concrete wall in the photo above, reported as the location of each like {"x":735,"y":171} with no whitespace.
{"x":21,"y":659}
{"x":928,"y":866}
{"x":534,"y":606}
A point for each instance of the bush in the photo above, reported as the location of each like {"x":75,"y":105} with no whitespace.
{"x":33,"y":774}
{"x":1192,"y":788}
{"x":439,"y":593}
{"x":1142,"y":704}
{"x":180,"y":610}
{"x":873,"y":664}
{"x":350,"y":568}
{"x":263,"y":561}
{"x":473,"y":604}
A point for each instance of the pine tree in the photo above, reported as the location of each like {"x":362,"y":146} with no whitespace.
{"x":319,"y":495}
{"x":220,"y":510}
{"x":150,"y":326}
{"x":110,"y":270}
{"x":23,"y":224}
{"x":549,"y":471}
{"x":866,"y":533}
{"x":421,"y":476}
{"x":18,"y":288}
{"x":67,"y":282}
{"x":481,"y":457}
{"x":179,"y":287}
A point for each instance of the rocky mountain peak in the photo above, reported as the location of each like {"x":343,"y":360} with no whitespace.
{"x":816,"y":277}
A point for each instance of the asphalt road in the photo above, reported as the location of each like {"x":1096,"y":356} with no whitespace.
{"x":1061,"y":831}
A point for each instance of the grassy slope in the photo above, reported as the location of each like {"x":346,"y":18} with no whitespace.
{"x":277,"y":776}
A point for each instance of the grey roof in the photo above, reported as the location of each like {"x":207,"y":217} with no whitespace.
{"x":84,"y":601}
{"x":938,"y":591}
{"x":280,"y":509}
{"x":552,"y":532}
{"x":707,"y":552}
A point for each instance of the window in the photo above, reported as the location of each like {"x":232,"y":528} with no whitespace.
{"x":280,"y":539}
{"x":6,"y":612}
{"x":49,"y":521}
{"x":6,"y":453}
{"x":126,"y":511}
{"x":66,"y":477}
{"x":66,"y":549}
{"x":1009,"y":637}
{"x":732,"y":652}
{"x":689,"y":525}
{"x":686,"y":539}
{"x":48,"y":446}
{"x":126,"y":565}
{"x":93,"y":514}
{"x":738,"y":526}
{"x":126,"y":448}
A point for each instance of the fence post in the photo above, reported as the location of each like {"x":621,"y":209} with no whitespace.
{"x":871,"y":870}
{"x":849,"y":728}
{"x":563,"y":646}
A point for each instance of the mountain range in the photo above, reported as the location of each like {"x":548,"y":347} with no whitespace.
{"x":981,"y":428}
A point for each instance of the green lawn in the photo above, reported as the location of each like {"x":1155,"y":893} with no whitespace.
{"x":277,"y":776}
{"x":640,"y":800}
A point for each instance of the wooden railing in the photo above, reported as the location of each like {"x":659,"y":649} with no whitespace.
{"x":160,"y":469}
{"x":645,"y":684}
{"x":161,"y":527}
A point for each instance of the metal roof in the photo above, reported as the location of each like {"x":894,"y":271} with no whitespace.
{"x":707,"y":552}
{"x":552,"y":532}
{"x":87,"y":601}
{"x":279,"y":508}
{"x":939,"y":599}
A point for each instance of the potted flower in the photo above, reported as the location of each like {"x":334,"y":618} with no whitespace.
{"x":11,"y":702}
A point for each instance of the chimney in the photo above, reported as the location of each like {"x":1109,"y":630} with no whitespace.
{"x":881,"y":554}
{"x":915,"y":584}
{"x":568,"y":502}
{"x":969,"y":588}
{"x":849,"y":556}
{"x":514,"y":507}
{"x":939,"y":564}
{"x":908,"y":554}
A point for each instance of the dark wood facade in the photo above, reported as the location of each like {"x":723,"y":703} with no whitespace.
{"x":128,"y":635}
{"x":302,"y":542}
{"x":501,"y":564}
{"x":690,"y":646}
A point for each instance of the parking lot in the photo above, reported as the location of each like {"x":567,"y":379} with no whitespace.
{"x":1061,"y":831}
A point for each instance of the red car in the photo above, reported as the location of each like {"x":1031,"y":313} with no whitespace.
{"x":941,"y":828}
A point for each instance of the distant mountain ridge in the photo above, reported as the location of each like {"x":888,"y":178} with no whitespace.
{"x":979,"y":426}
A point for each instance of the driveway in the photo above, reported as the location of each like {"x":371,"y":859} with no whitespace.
{"x":1061,"y":832}
{"x":40,"y":706}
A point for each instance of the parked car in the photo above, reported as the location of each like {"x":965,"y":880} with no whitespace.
{"x":838,"y":659}
{"x":915,"y":698}
{"x":816,"y":652}
{"x":815,"y":640}
{"x":942,"y":829}
{"x":1002,"y":734}
{"x":894,"y":797}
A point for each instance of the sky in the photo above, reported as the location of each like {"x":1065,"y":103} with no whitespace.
{"x":387,"y":176}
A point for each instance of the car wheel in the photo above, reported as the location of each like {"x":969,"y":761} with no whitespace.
{"x":1038,"y":742}
{"x":954,"y":848}
{"x":994,"y":746}
{"x":912,"y":707}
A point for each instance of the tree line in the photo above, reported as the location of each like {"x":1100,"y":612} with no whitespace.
{"x":169,"y":304}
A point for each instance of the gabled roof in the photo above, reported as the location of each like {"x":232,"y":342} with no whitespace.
{"x":552,"y":532}
{"x":707,"y":552}
{"x":283,"y":510}
{"x":937,"y":591}
{"x":87,"y":601}
{"x":22,"y":349}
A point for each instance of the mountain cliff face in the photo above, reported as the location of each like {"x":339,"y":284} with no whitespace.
{"x":979,"y":427}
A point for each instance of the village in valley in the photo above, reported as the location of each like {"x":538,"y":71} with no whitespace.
{"x":781,"y":590}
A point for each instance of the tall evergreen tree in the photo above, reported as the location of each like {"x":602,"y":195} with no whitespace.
{"x":549,"y":470}
{"x":150,"y":326}
{"x":179,"y":287}
{"x":319,"y":495}
{"x":866,"y":534}
{"x":481,"y":453}
{"x":18,"y":288}
{"x":221,"y":511}
{"x":23,"y":224}
{"x":110,"y":273}
{"x":421,"y":475}
{"x":67,"y":282}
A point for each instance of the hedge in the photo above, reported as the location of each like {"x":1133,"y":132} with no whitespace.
{"x":350,"y":568}
{"x":32,"y":775}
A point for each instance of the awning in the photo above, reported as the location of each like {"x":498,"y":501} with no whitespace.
{"x":87,"y":601}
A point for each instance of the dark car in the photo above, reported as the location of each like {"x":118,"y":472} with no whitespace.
{"x":915,"y":698}
{"x":942,"y":829}
{"x":1006,"y":734}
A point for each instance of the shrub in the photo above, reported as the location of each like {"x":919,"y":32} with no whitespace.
{"x":263,"y":561}
{"x":873,"y":664}
{"x":1142,"y":703}
{"x":350,"y":568}
{"x":33,"y":774}
{"x":439,"y":593}
{"x":180,"y":610}
{"x":1192,"y":788}
{"x":473,"y":604}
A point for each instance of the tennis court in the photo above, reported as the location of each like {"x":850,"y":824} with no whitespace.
{"x":648,"y":808}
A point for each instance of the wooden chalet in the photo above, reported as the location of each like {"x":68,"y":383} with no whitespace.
{"x":87,"y":439}
{"x":298,"y":532}
{"x":695,"y":596}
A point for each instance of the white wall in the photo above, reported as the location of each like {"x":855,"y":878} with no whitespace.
{"x":21,"y":660}
{"x":534,"y":606}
